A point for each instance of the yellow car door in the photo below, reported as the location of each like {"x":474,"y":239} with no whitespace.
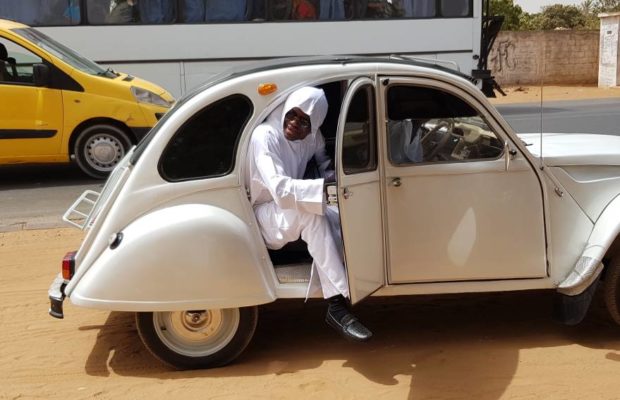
{"x":31,"y":116}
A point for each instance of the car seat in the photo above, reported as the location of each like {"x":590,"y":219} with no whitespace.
{"x":405,"y":146}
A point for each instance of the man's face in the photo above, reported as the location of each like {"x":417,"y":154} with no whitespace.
{"x":296,"y":124}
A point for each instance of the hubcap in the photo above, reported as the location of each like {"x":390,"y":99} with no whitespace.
{"x":196,"y":333}
{"x":103,"y":152}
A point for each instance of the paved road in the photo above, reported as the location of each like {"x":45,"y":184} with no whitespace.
{"x":33,"y":197}
{"x":591,"y":116}
{"x":37,"y":196}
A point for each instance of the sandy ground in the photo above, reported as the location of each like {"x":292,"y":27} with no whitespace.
{"x":528,"y":94}
{"x":483,"y":347}
{"x":498,"y":346}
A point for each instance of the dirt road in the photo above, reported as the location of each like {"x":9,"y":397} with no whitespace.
{"x":483,"y":347}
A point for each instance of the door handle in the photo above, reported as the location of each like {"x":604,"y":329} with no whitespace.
{"x":396,"y":182}
{"x":346,"y":193}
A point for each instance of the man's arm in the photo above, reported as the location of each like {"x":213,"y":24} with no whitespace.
{"x":288,"y":193}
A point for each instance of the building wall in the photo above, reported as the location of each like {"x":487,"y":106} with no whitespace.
{"x":565,"y":57}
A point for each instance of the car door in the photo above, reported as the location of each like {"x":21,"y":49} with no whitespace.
{"x":359,"y":190}
{"x":31,"y":117}
{"x":462,"y":202}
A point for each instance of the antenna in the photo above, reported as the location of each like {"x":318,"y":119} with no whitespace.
{"x":542,"y":89}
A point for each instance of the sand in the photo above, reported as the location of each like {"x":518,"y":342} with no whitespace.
{"x":490,"y":346}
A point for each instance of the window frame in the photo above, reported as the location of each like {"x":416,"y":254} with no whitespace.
{"x":43,"y":60}
{"x":373,"y":160}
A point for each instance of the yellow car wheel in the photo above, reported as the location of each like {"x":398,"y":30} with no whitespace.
{"x":98,"y":148}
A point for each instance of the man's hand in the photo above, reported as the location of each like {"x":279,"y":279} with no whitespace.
{"x":330,"y":176}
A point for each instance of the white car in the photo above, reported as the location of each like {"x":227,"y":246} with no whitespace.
{"x":436,"y":194}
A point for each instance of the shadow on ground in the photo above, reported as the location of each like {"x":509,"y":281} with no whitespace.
{"x":447,"y":344}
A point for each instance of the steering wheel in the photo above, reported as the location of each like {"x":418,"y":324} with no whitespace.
{"x":446,"y":123}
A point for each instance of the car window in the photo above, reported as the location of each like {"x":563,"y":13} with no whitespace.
{"x":359,"y":152}
{"x":205,"y":146}
{"x":427,"y":125}
{"x":16,"y":63}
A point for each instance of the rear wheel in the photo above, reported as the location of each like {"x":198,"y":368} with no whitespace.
{"x":612,"y":290}
{"x":98,"y":148}
{"x":197,"y":338}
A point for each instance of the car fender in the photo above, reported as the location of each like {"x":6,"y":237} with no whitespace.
{"x":590,"y":264}
{"x":183,"y":257}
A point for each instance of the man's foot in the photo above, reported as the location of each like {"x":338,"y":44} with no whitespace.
{"x":340,"y":318}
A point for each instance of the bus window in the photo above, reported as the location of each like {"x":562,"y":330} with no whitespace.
{"x":41,"y":12}
{"x":214,"y":10}
{"x":157,"y":11}
{"x":413,"y":8}
{"x":455,"y":8}
{"x":131,"y":11}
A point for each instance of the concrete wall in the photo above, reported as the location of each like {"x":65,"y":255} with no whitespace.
{"x":565,"y":57}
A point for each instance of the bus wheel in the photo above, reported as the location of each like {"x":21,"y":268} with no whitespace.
{"x":197,"y":338}
{"x":612,"y":289}
{"x":98,"y":148}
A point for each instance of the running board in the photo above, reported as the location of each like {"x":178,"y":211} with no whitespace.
{"x":293,"y":273}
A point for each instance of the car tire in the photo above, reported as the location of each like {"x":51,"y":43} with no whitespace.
{"x":99,"y":148}
{"x":197,"y":339}
{"x":612,"y":290}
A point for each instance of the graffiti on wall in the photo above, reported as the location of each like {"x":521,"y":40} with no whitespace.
{"x":503,"y":56}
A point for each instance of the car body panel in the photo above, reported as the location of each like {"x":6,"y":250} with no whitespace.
{"x":190,"y":256}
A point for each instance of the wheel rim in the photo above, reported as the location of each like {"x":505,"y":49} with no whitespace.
{"x":103,"y":151}
{"x":196,"y":333}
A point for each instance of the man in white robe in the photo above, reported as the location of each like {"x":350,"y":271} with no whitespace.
{"x":288,"y":206}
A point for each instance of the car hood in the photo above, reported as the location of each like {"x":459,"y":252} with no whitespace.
{"x":562,"y":149}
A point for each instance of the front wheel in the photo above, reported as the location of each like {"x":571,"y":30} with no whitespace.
{"x":197,"y":338}
{"x":98,"y":148}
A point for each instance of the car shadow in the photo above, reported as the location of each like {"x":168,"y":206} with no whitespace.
{"x":434,"y":344}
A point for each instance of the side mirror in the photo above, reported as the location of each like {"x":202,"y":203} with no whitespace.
{"x":41,"y":75}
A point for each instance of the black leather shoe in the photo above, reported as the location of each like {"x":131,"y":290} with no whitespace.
{"x":349,"y":327}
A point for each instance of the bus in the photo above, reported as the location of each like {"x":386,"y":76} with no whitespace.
{"x":179,"y":44}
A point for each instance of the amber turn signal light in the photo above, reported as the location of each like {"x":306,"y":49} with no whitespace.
{"x":267,"y":88}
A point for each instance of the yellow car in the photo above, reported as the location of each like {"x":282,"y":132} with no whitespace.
{"x":56,"y":105}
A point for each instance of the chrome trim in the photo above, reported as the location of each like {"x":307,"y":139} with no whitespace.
{"x":57,"y":296}
{"x":583,"y":275}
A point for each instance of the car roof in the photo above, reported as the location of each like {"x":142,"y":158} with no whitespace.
{"x":7,"y":24}
{"x":288,"y":62}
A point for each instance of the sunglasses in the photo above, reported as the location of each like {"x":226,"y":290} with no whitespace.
{"x":302,"y":120}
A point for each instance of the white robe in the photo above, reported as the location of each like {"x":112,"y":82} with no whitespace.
{"x":286,"y":205}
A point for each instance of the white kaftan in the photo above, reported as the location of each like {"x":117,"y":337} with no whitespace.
{"x":286,"y":205}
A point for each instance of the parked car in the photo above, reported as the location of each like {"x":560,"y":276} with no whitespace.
{"x":436,"y":194}
{"x":58,"y":105}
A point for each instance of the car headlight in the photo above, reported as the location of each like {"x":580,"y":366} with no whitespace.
{"x":146,"y":96}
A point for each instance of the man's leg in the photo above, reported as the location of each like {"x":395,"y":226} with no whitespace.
{"x":282,"y":226}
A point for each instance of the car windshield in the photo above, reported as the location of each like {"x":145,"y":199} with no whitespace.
{"x":64,"y":53}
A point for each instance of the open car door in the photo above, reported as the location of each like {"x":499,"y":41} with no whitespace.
{"x":359,"y":190}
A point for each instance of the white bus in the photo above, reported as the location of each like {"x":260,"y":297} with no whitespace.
{"x":181,"y":43}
